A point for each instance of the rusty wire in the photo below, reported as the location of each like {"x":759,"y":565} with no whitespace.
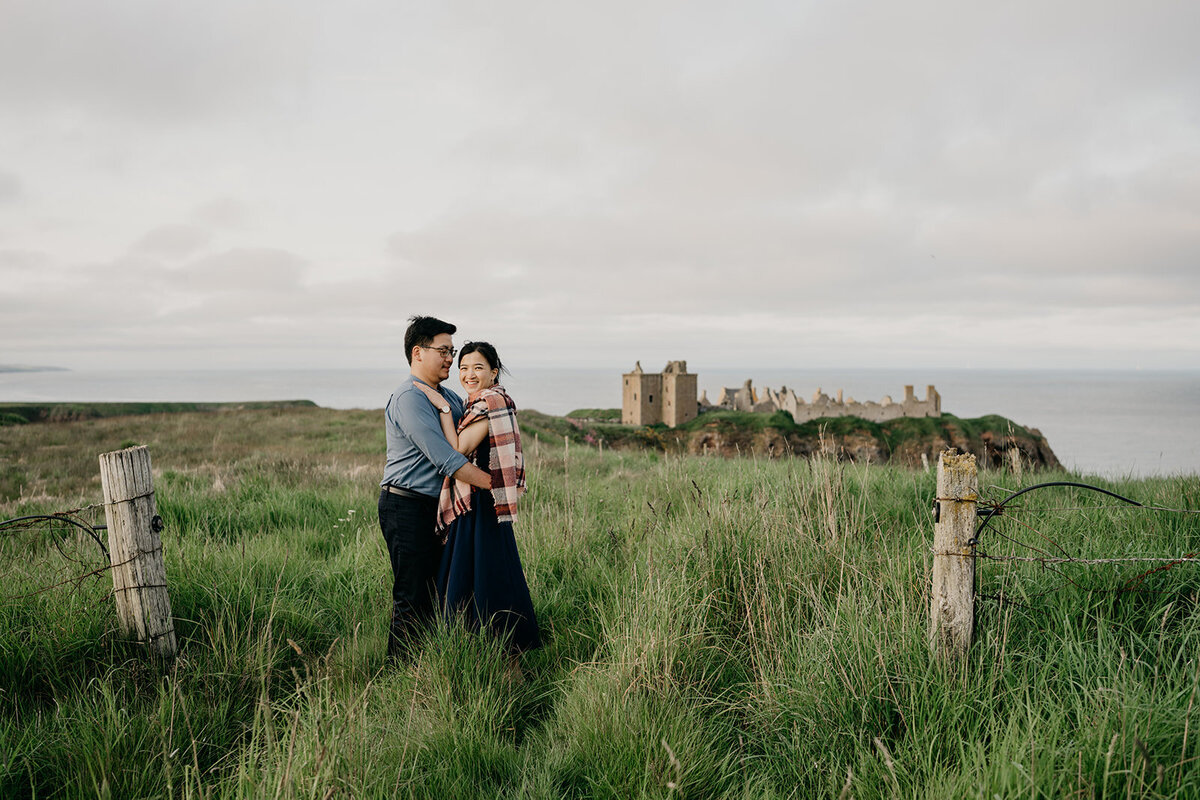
{"x":1053,"y":562}
{"x":44,"y":536}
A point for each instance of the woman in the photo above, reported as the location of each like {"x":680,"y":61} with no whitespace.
{"x":480,"y":577}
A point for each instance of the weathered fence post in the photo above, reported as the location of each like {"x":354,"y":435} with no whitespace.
{"x":139,"y":577}
{"x":952,"y":607}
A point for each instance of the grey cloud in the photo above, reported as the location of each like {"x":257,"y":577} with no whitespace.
{"x":939,"y":105}
{"x":829,"y":261}
{"x":260,"y":297}
{"x":172,"y":241}
{"x":11,"y":189}
{"x":245,"y":270}
{"x":805,"y":171}
{"x":608,"y":175}
{"x":157,"y":60}
{"x":25,"y":261}
{"x":251,"y":300}
{"x":823,"y":87}
{"x":223,"y":212}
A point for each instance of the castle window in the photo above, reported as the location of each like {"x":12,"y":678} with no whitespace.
{"x":649,"y":398}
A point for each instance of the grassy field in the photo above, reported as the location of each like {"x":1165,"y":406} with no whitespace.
{"x":742,"y":628}
{"x":22,"y":413}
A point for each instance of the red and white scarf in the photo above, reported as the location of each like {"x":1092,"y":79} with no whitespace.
{"x":505,"y":462}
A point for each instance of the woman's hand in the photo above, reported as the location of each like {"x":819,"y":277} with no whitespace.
{"x":438,"y":401}
{"x":444,"y":418}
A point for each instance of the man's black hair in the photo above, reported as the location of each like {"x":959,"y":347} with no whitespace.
{"x":421,"y":332}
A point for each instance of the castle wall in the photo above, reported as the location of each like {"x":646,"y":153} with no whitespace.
{"x":679,"y":398}
{"x":739,"y":399}
{"x":822,"y":405}
{"x":641,"y":402}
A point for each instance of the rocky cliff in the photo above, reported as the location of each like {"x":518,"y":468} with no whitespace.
{"x":995,"y":440}
{"x":910,"y":442}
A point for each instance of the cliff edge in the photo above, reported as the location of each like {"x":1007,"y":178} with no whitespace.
{"x":995,"y":440}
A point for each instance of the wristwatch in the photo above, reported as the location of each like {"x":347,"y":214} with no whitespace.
{"x":444,"y":409}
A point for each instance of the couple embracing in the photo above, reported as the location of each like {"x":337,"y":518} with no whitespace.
{"x":449,"y":494}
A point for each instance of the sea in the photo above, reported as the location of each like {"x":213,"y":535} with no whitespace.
{"x":1107,"y":423}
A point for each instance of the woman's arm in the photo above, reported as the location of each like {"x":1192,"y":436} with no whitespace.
{"x":444,"y":417}
{"x":472,"y":435}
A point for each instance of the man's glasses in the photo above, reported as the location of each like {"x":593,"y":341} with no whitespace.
{"x":446,"y":352}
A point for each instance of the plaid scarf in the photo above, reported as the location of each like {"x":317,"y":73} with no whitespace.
{"x":505,"y":462}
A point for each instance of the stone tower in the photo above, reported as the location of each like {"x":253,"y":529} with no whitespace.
{"x":668,"y":396}
{"x":679,"y":394}
{"x":641,"y":397}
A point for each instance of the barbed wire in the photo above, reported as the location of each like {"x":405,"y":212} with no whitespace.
{"x":1070,"y":560}
{"x":1054,"y":561}
{"x":92,"y":507}
{"x":44,"y":532}
{"x":1129,"y":504}
{"x":23,"y":523}
{"x":1113,"y":507}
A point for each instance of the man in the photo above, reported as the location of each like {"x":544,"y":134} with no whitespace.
{"x":418,"y":456}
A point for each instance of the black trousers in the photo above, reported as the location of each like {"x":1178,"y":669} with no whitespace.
{"x":408,"y":529}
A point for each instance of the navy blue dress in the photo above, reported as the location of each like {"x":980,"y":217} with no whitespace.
{"x":480,"y":580}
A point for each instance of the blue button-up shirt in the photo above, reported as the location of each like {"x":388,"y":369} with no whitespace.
{"x":418,"y":455}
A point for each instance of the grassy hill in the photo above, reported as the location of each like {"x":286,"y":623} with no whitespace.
{"x":714,"y":628}
{"x":21,"y":413}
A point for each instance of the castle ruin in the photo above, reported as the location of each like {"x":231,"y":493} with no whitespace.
{"x":746,"y":398}
{"x":669,"y":397}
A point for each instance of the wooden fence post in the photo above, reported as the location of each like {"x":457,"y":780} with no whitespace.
{"x":952,"y":607}
{"x":135,"y":549}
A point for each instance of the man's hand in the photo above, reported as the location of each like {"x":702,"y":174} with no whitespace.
{"x":469,"y":473}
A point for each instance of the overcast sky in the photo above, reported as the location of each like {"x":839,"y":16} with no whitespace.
{"x":786,"y":184}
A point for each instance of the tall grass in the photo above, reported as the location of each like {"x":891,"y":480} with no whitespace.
{"x":713,"y":628}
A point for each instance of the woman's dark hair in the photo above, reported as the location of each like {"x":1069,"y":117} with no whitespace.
{"x":489,"y":355}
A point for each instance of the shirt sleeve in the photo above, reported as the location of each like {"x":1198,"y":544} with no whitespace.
{"x":417,"y":417}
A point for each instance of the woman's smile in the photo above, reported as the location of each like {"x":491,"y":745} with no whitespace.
{"x":474,"y":373}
